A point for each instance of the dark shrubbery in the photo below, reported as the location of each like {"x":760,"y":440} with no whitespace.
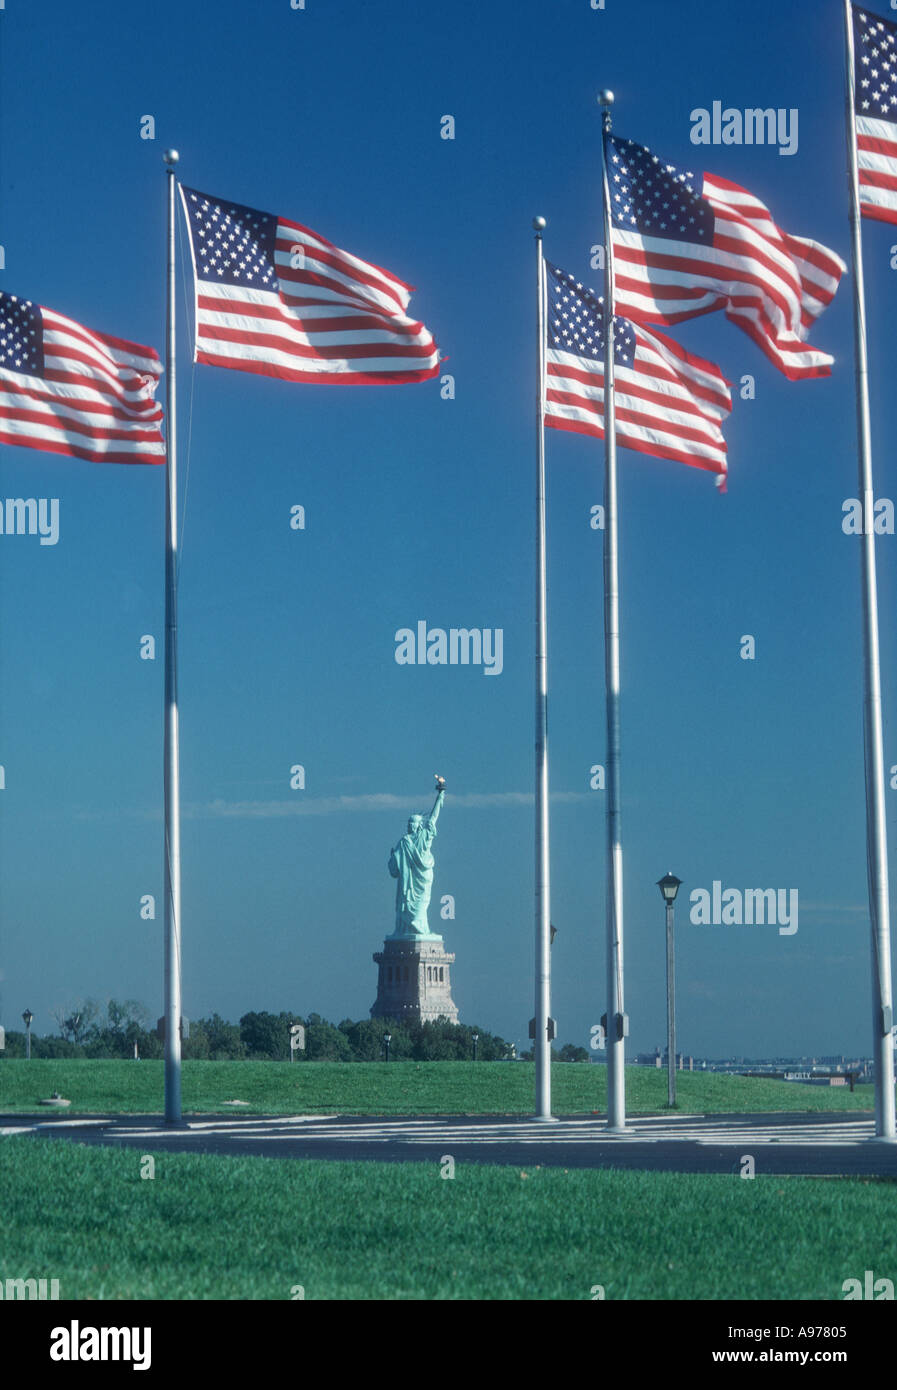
{"x":92,"y":1031}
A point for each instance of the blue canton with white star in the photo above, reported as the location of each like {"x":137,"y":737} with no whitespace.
{"x":233,"y":245}
{"x":653,"y":198}
{"x":875,"y":49}
{"x":21,"y":336}
{"x":576,"y":321}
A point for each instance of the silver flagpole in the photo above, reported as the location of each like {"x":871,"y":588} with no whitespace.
{"x":542,"y":1043}
{"x":876,"y":823}
{"x":615,"y":1021}
{"x":172,"y":868}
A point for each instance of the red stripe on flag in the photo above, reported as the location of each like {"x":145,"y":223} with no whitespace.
{"x":57,"y":446}
{"x":877,"y":213}
{"x":874,"y":178}
{"x":340,"y":351}
{"x":318,"y":378}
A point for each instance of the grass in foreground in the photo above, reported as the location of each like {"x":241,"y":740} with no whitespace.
{"x":254,"y":1228}
{"x":396,"y":1088}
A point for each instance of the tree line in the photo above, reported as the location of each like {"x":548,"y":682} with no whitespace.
{"x":92,"y":1030}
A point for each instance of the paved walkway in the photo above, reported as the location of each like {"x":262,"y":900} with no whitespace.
{"x":821,"y":1144}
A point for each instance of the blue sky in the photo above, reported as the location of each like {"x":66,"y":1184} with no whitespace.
{"x":745,"y":772}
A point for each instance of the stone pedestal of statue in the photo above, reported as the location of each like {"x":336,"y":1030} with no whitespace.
{"x":414,"y":982}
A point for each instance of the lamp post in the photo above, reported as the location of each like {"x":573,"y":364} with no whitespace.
{"x":669,"y":887}
{"x":387,"y":1039}
{"x":475,"y":1039}
{"x":27,"y":1016}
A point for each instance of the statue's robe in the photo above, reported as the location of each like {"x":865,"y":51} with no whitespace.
{"x":412,"y":864}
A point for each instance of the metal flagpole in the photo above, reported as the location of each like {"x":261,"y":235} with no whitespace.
{"x":542,"y":1041}
{"x":172,"y":869}
{"x":876,"y":823}
{"x":616,"y":1022}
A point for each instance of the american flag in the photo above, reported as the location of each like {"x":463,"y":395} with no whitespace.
{"x":68,"y":390}
{"x":875,"y":98}
{"x":275,"y":298}
{"x":687,"y":244}
{"x":669,"y":403}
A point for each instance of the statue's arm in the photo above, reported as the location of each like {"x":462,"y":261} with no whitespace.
{"x":437,"y":806}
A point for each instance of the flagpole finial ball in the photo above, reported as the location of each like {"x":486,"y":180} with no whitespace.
{"x":539,"y":224}
{"x":605,"y":97}
{"x":171,"y":156}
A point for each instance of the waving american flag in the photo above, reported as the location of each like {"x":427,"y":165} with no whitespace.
{"x":687,"y":244}
{"x":275,"y":298}
{"x":875,"y":98}
{"x":669,"y":403}
{"x":66,"y":389}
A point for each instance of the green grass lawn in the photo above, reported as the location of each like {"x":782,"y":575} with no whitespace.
{"x":395,"y":1088}
{"x":253,"y":1228}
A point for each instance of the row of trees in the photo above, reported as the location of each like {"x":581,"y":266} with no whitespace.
{"x":89,"y":1030}
{"x":92,"y":1030}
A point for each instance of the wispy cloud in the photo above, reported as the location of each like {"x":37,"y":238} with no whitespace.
{"x":371,"y":801}
{"x":302,"y":805}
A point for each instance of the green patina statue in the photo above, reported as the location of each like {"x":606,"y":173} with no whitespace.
{"x":411,"y":863}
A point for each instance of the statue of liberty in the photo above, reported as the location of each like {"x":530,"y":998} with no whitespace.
{"x":411,"y":863}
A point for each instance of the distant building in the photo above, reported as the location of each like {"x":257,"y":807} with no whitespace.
{"x":659,"y":1059}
